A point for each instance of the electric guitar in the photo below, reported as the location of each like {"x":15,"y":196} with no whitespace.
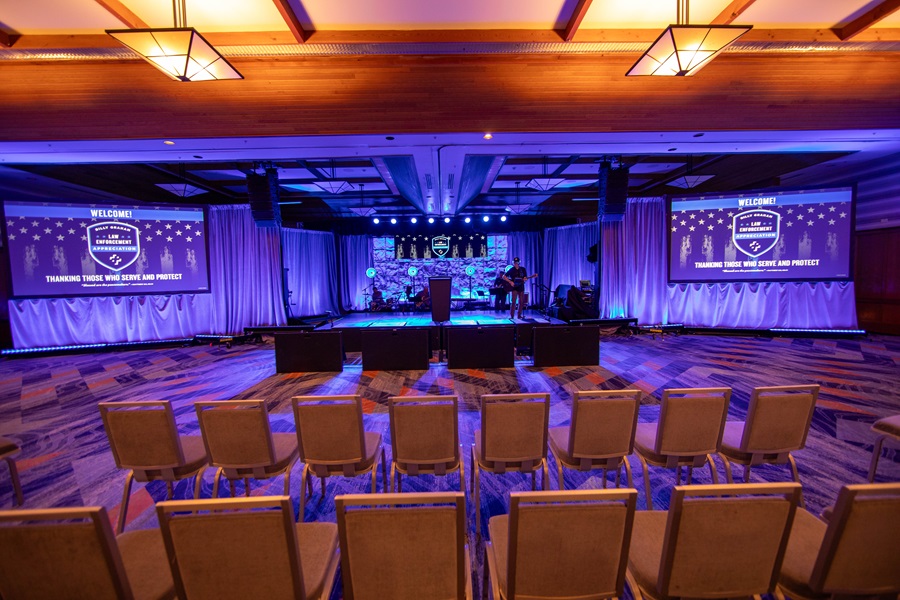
{"x":508,"y":284}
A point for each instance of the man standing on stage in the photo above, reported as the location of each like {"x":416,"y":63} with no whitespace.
{"x":516,"y":276}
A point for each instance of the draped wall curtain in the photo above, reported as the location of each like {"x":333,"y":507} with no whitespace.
{"x":310,"y":272}
{"x":357,"y":255}
{"x":528,"y":246}
{"x":566,"y":254}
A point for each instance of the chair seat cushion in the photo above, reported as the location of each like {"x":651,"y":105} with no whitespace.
{"x":807,"y":535}
{"x":889,"y":426}
{"x":498,"y":529}
{"x":318,"y":543}
{"x":146,"y":564}
{"x":731,"y":442}
{"x":645,"y":553}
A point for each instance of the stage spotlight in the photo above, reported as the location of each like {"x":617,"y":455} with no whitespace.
{"x":446,"y":219}
{"x":431,"y":219}
{"x":485,"y":218}
{"x":414,"y":220}
{"x":468,"y":220}
{"x":503,"y":219}
{"x":393,"y":221}
{"x":376,"y":220}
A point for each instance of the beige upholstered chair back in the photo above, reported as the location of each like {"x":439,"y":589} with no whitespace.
{"x":232,"y":551}
{"x":142,"y":435}
{"x":778,"y":418}
{"x":330,"y":429}
{"x":861,"y":550}
{"x":691,"y":421}
{"x":403,"y":546}
{"x":589,"y":531}
{"x":236,"y":433}
{"x":514,"y":427}
{"x":424,"y":430}
{"x":603,"y":423}
{"x":726,"y":540}
{"x":60,"y":553}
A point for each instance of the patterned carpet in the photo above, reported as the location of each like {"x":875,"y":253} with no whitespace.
{"x":48,"y":404}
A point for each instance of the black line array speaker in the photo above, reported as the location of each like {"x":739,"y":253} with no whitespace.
{"x":613,"y":184}
{"x":308,"y":351}
{"x":480,"y":347}
{"x":398,"y":349}
{"x":566,"y":346}
{"x":263,"y":192}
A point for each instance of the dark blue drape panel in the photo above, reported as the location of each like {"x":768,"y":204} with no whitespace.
{"x":645,"y":260}
{"x":529,"y":247}
{"x":357,"y":255}
{"x":245,"y":271}
{"x":309,"y":257}
{"x":245,"y":284}
{"x":565,"y":254}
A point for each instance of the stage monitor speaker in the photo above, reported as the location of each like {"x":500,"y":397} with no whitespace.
{"x":613,"y":184}
{"x":263,"y":192}
{"x":308,"y":352}
{"x":440,"y":298}
{"x":480,"y":347}
{"x":400,"y":349}
{"x":558,"y":346}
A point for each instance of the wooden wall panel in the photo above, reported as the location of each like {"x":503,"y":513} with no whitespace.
{"x":421,"y":94}
{"x":877,"y":280}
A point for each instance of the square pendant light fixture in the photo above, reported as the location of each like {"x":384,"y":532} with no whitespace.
{"x":545,"y":183}
{"x":683,"y":49}
{"x":180,"y":52}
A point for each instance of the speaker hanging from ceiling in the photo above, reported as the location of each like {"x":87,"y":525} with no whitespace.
{"x":263,"y":192}
{"x":613,"y":191}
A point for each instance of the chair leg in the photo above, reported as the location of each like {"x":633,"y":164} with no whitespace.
{"x":618,"y":475}
{"x":562,"y":479}
{"x":216,"y":482}
{"x":462,"y":474}
{"x":647,"y":482}
{"x":604,"y":479}
{"x":628,"y":472}
{"x":304,"y":481}
{"x":123,"y":509}
{"x":198,"y":483}
{"x":876,"y":455}
{"x":746,"y":473}
{"x":247,"y":487}
{"x":322,"y":499}
{"x":169,"y":490}
{"x":728,"y":476}
{"x":712,"y":469}
{"x":476,"y":490}
{"x":533,"y":480}
{"x":690,"y":475}
{"x":384,"y":485}
{"x":546,"y":480}
{"x":678,"y":475}
{"x":796,"y":478}
{"x":393,"y":475}
{"x":287,"y":482}
{"x":17,"y":485}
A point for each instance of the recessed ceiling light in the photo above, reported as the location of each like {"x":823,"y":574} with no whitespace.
{"x":488,"y":136}
{"x":168,"y":142}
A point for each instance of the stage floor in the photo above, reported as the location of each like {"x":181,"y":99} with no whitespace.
{"x":423,"y":319}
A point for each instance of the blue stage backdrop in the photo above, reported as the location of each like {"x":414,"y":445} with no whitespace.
{"x":103,"y":249}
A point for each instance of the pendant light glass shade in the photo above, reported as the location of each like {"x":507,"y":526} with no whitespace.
{"x":179,"y":52}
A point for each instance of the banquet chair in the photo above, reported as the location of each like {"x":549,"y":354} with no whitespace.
{"x":689,"y":431}
{"x":715,"y":541}
{"x":777,"y":423}
{"x":588,"y":530}
{"x":144,"y":439}
{"x":247,"y":548}
{"x":240,"y":443}
{"x":513,"y":437}
{"x":425,"y":437}
{"x":332,"y":441}
{"x":8,"y":449}
{"x":404,"y":546}
{"x":887,"y":428}
{"x":855,"y":554}
{"x":72,"y":553}
{"x":600,"y":434}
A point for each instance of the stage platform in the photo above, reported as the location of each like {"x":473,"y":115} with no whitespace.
{"x":481,"y":318}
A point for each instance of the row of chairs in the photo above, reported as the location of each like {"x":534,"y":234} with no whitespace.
{"x":715,"y":541}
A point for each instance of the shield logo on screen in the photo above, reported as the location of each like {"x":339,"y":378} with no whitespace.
{"x":440,"y":244}
{"x":114,"y":245}
{"x":755,"y":232}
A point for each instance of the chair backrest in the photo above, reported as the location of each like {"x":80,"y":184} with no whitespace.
{"x":250,"y":542}
{"x":60,"y":553}
{"x":514,"y":427}
{"x":861,"y":549}
{"x":142,"y":435}
{"x":603,"y":423}
{"x":329,"y":429}
{"x":726,"y":540}
{"x":403,"y":546}
{"x":691,"y":421}
{"x":778,"y":418}
{"x":589,"y":531}
{"x":236,"y":433}
{"x":424,"y":429}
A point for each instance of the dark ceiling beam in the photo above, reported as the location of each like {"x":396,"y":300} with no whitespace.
{"x":314,"y":170}
{"x":122,"y":13}
{"x":196,"y":182}
{"x":557,"y":172}
{"x":575,"y":20}
{"x":386,"y":175}
{"x":290,"y":11}
{"x":732,"y":12}
{"x":7,"y":39}
{"x":492,"y":174}
{"x":867,"y":19}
